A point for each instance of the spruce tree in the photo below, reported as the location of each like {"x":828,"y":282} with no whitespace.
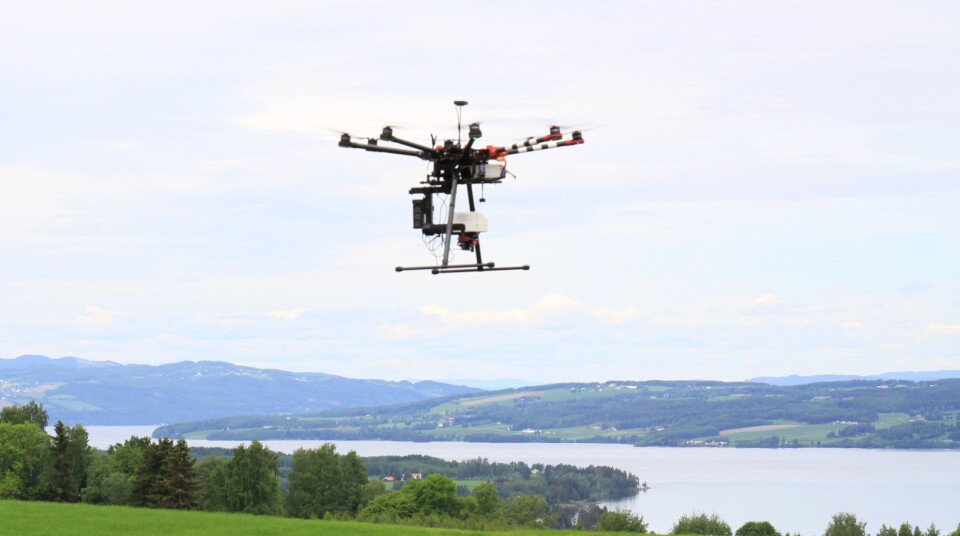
{"x":60,"y":488}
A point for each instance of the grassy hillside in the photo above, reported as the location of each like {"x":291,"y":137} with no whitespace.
{"x":857,"y":413}
{"x":41,"y":518}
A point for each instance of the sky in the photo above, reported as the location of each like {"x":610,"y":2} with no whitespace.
{"x":771,"y":188}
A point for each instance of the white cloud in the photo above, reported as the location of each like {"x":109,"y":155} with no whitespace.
{"x":291,"y":314}
{"x":553,"y":311}
{"x":768,"y":304}
{"x":942,"y":329}
{"x":615,"y":317}
{"x":95,"y":317}
{"x":852,"y":325}
{"x":405,"y":332}
{"x":477,"y":318}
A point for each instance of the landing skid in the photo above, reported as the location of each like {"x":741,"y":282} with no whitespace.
{"x":461,"y":268}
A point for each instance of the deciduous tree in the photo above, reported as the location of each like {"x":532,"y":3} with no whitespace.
{"x":488,"y":501}
{"x":322,"y":482}
{"x":31,"y":412}
{"x":252,"y":481}
{"x":25,"y":462}
{"x":845,"y":524}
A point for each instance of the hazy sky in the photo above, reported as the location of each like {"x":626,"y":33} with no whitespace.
{"x":774,"y":189}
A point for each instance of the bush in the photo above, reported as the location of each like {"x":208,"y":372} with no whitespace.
{"x":701,"y":524}
{"x":757,"y":528}
{"x":622,"y":521}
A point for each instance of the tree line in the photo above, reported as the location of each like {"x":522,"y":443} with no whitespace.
{"x":320,"y":484}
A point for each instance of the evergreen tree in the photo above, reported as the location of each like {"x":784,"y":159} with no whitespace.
{"x":177,"y":484}
{"x":60,"y":479}
{"x":153,"y":467}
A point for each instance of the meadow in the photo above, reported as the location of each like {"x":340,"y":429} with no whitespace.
{"x":42,"y":518}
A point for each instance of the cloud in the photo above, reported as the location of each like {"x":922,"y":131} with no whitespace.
{"x":852,"y":325}
{"x":291,"y":314}
{"x":404,"y":332}
{"x":95,"y":317}
{"x":614,"y":317}
{"x":553,"y":310}
{"x":477,"y":318}
{"x":942,"y":329}
{"x":768,"y":304}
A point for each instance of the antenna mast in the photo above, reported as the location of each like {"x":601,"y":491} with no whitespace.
{"x":459,"y":104}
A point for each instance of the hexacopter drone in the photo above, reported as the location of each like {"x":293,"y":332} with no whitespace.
{"x":455,"y":165}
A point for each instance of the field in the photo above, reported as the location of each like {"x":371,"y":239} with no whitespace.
{"x":40,"y":518}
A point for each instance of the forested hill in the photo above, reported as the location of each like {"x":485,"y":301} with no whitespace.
{"x":102,"y":392}
{"x":693,"y":413}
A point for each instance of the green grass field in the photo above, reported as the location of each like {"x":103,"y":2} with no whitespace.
{"x":42,"y":518}
{"x":803,"y":433}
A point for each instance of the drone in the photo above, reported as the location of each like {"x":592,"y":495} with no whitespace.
{"x":455,"y":165}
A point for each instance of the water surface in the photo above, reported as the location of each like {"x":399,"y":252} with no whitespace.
{"x":795,"y":489}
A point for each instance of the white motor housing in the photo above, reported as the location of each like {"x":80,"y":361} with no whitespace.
{"x":473,"y":222}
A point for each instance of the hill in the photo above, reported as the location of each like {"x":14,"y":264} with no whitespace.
{"x":914,"y":376}
{"x":106,"y":393}
{"x":684,"y":413}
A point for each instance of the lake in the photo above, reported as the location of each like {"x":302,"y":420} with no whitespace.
{"x":797,"y":490}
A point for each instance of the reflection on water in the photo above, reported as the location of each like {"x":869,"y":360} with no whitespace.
{"x":795,"y":489}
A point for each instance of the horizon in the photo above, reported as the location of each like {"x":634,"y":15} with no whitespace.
{"x":771,"y":190}
{"x":494,"y":384}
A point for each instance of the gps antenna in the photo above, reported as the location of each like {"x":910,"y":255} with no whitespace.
{"x":459,"y":104}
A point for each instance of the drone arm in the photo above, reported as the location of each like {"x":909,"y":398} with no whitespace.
{"x":378,"y":149}
{"x":554,"y":135}
{"x":577,"y":139}
{"x":387,"y":135}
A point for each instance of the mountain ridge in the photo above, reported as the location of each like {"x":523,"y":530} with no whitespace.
{"x":106,"y":393}
{"x":914,"y":376}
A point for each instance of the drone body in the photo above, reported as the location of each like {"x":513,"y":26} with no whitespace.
{"x":455,"y":165}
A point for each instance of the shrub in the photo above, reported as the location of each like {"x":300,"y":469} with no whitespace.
{"x":757,"y":528}
{"x":622,"y":521}
{"x":702,"y":524}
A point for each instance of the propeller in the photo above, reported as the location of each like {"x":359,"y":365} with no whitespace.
{"x":563,"y":130}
